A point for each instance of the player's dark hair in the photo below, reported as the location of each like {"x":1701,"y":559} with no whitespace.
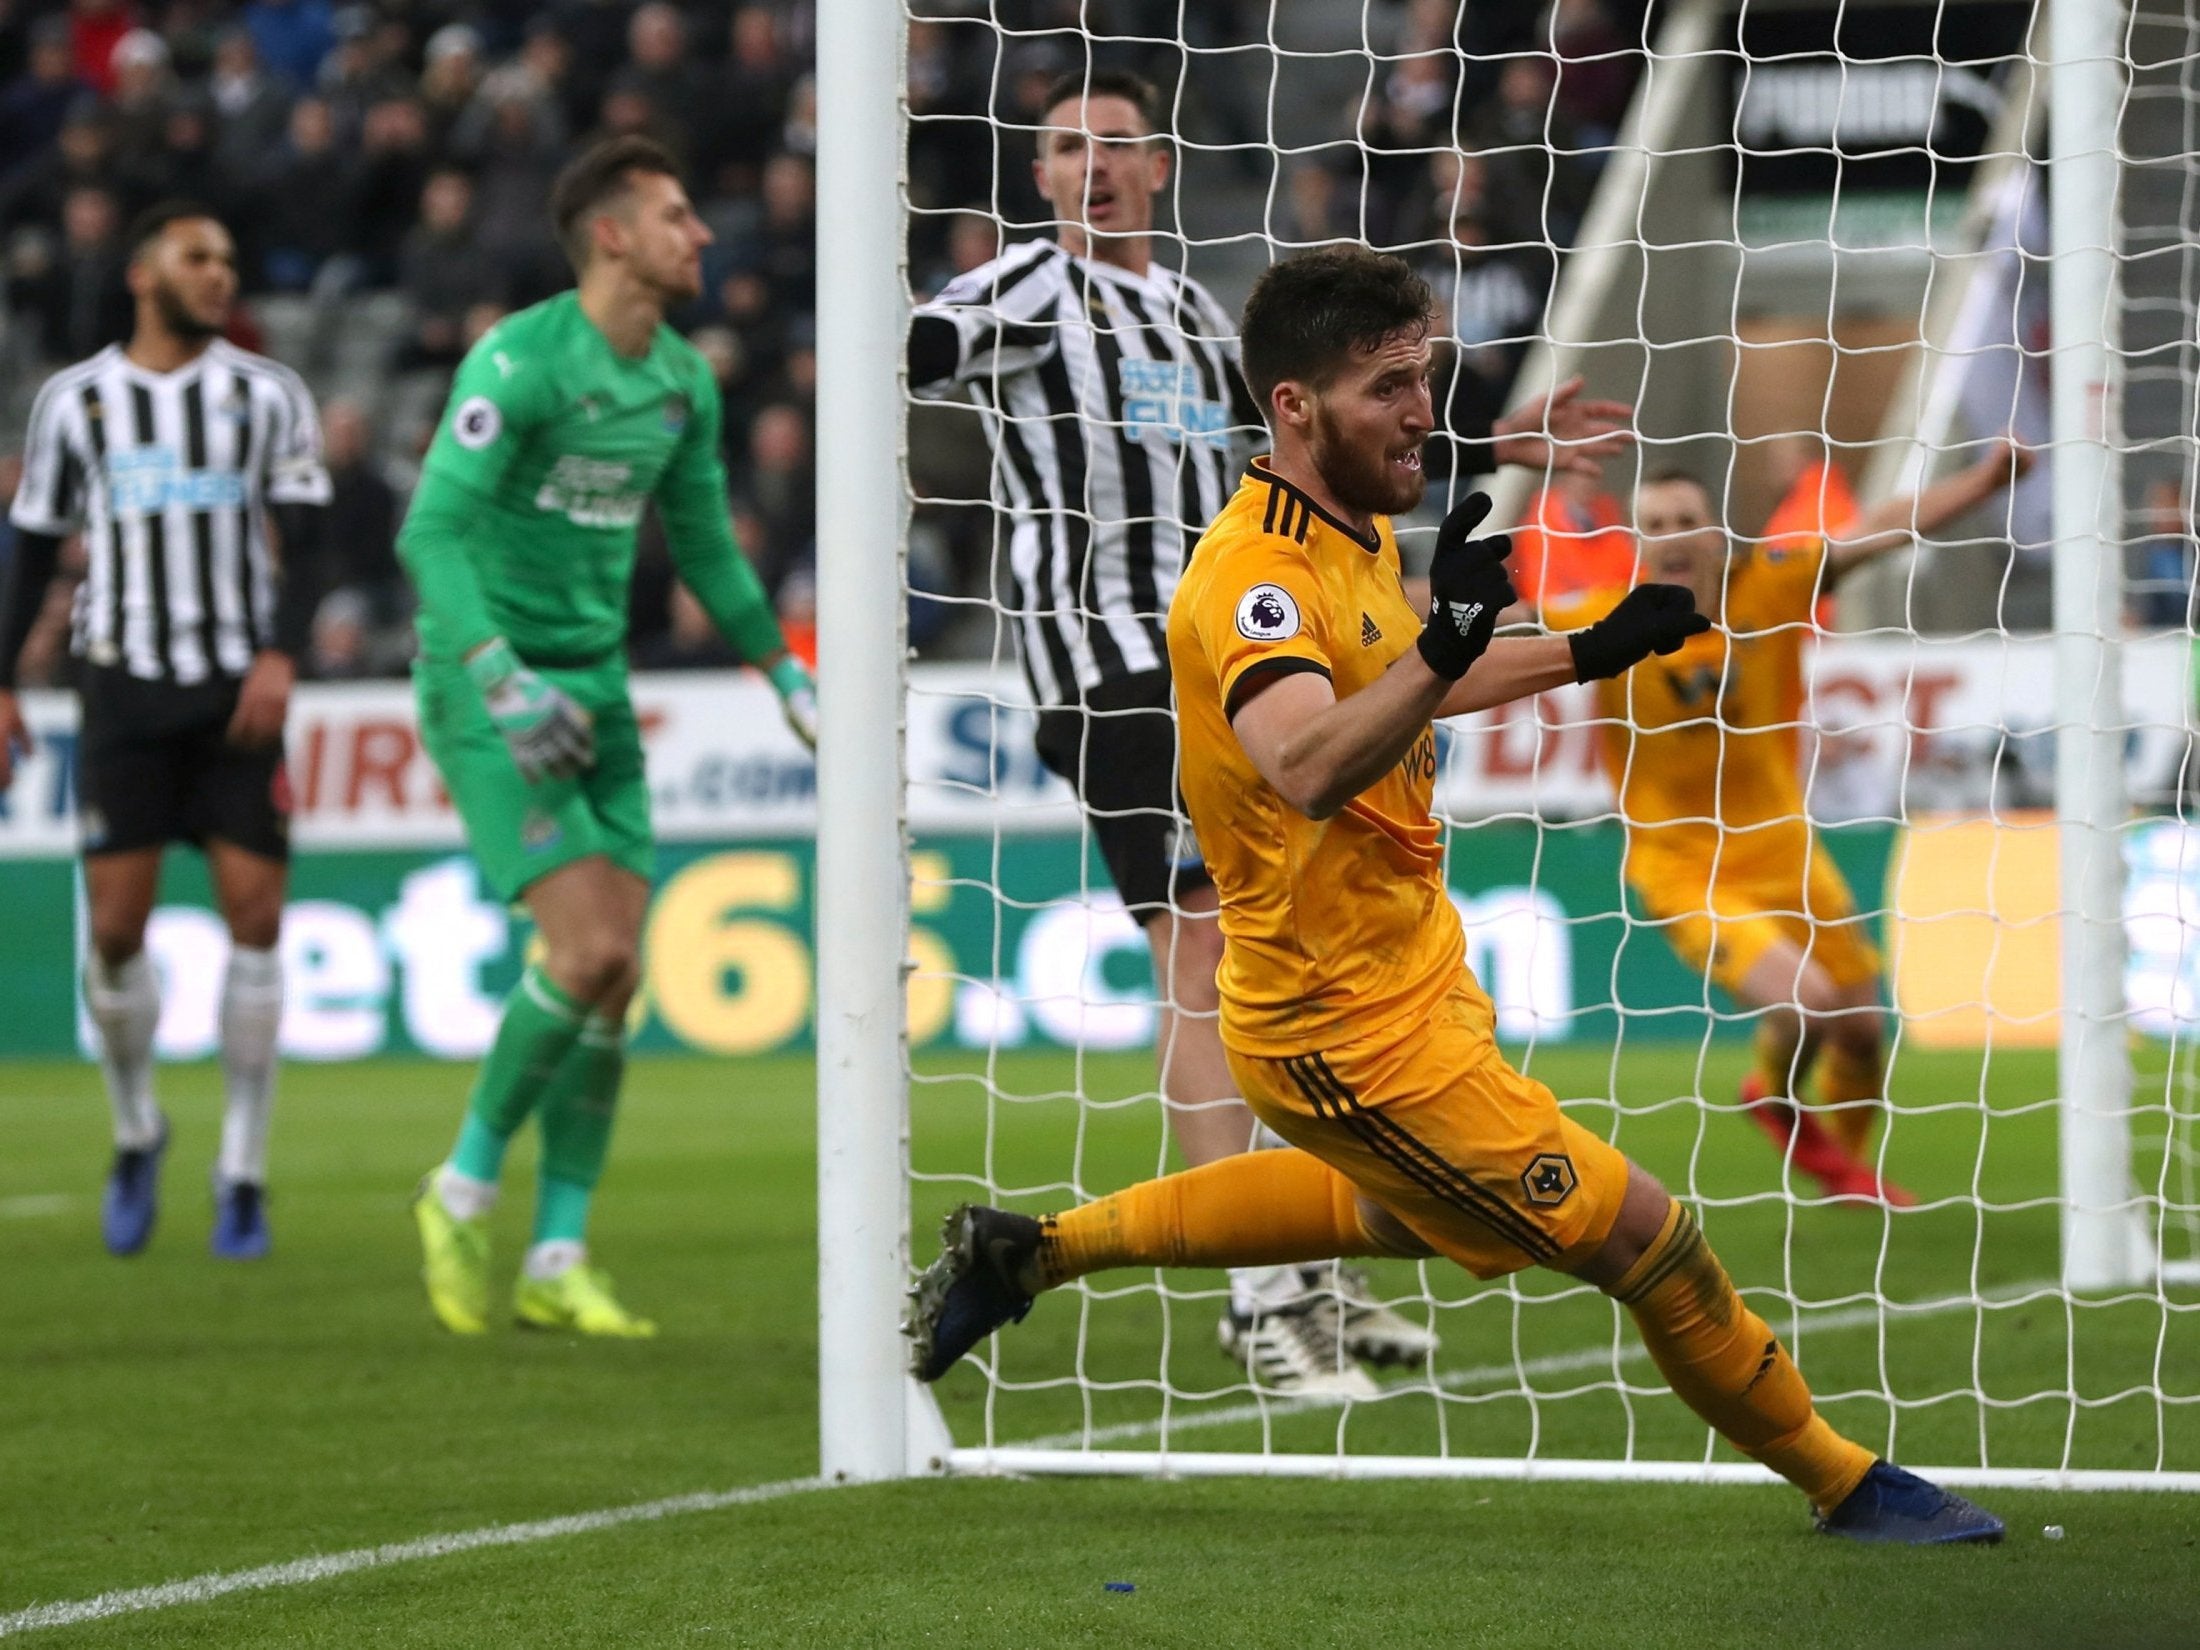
{"x":595,"y":178}
{"x":152,"y":223}
{"x":1133,"y":89}
{"x":1313,"y":311}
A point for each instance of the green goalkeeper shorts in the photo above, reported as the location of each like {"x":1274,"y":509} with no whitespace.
{"x":519,"y":832}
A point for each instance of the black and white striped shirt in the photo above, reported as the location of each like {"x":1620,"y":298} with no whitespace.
{"x":1113,"y":402}
{"x":169,"y":477}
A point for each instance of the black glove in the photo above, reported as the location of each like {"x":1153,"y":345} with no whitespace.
{"x":1467,"y":588}
{"x":1651,"y":618}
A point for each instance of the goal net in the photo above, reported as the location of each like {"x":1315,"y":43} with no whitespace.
{"x":1829,"y":253}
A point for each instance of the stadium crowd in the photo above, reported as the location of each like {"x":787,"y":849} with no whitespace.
{"x":385,"y":165}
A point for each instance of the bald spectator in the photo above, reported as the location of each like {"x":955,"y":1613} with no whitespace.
{"x":449,"y":81}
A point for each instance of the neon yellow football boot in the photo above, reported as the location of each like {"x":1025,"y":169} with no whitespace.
{"x":454,"y":1263}
{"x":580,"y":1299}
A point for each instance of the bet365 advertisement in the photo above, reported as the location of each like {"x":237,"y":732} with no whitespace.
{"x":392,"y":945}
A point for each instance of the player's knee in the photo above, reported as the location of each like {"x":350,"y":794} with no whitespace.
{"x":1641,"y":1218}
{"x":257,"y":923}
{"x":115,"y":943}
{"x":594,"y":966}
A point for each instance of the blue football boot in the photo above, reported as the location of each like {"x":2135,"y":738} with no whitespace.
{"x":972,"y":1289}
{"x":1897,"y":1506}
{"x":240,"y":1220}
{"x":132,"y":1198}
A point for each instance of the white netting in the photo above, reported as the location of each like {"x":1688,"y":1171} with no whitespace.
{"x":1810,"y":246}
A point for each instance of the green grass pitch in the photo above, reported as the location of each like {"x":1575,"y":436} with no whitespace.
{"x":172,"y":1416}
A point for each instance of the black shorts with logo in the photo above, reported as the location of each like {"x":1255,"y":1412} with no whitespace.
{"x":1117,"y":749}
{"x":154,"y":765}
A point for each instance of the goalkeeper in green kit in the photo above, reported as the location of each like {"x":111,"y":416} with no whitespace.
{"x":564,"y":422}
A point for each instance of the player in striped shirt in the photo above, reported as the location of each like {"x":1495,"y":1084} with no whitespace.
{"x":180,"y":459}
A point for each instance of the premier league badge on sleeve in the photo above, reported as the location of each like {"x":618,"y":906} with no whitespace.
{"x":1267,"y":613}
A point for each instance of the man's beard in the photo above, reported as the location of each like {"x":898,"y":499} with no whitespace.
{"x":178,"y":319}
{"x":1361,"y":481}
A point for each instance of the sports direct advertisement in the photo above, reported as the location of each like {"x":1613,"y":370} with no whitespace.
{"x":392,"y":944}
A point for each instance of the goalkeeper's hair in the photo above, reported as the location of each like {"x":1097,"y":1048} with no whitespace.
{"x":1312,"y":312}
{"x":597,"y":177}
{"x":152,"y":223}
{"x":1133,"y":89}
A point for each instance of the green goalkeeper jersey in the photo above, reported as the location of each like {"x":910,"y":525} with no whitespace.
{"x":551,"y":447}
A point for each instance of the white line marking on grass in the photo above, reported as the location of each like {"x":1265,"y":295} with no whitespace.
{"x":35,"y":1205}
{"x":1549,"y":1363}
{"x":327,"y":1566}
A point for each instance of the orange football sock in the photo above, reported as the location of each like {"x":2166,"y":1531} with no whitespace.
{"x":1772,"y":1061}
{"x":1725,"y":1363}
{"x":1255,"y":1209}
{"x":1851,"y":1086}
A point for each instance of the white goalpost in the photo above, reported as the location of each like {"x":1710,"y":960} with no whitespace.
{"x":1996,"y":739}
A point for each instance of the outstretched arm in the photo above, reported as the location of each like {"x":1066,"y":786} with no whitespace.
{"x":1894,"y":524}
{"x":1561,"y":432}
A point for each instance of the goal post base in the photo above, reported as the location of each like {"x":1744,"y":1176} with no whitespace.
{"x":1010,"y":1461}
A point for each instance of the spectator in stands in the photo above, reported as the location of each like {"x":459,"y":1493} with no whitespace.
{"x":445,"y":272}
{"x":81,"y":158}
{"x":546,"y":58}
{"x":393,"y":173}
{"x":659,"y":68}
{"x":79,"y":301}
{"x":783,"y":248}
{"x":182,"y":166}
{"x":96,"y":27}
{"x":291,"y":37}
{"x":138,"y":111}
{"x":1492,"y":299}
{"x":305,"y":210}
{"x":364,"y":69}
{"x":35,"y":104}
{"x":253,"y":108}
{"x":448,"y":81}
{"x":950,"y":153}
{"x":513,"y":137}
{"x":1541,"y":144}
{"x":1597,"y":66}
{"x":1408,"y":114}
{"x":779,"y":484}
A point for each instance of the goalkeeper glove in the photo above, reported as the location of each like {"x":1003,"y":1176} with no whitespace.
{"x":1651,"y":618}
{"x":797,"y":698}
{"x":549,"y":736}
{"x":1468,"y":587}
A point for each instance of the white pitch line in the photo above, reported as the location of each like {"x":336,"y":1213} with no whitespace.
{"x":1550,"y":1363}
{"x":36,"y":1205}
{"x":325,"y":1567}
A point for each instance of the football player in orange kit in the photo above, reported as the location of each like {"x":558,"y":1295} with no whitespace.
{"x":1720,"y":851}
{"x":1306,"y":684}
